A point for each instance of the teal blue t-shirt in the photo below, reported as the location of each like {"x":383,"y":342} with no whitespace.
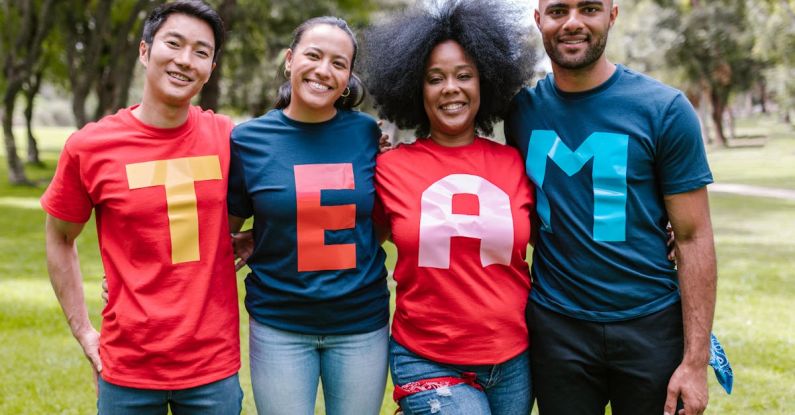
{"x":317,"y":266}
{"x":602,"y":160}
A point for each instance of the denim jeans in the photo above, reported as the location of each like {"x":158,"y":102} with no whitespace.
{"x":507,"y":388}
{"x":286,"y":366}
{"x":223,"y":397}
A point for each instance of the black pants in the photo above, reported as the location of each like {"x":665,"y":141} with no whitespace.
{"x":579,"y":366}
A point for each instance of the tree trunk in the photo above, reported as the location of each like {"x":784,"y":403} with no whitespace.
{"x":211,"y":93}
{"x":119,"y":63}
{"x":763,"y":95}
{"x":704,"y":117}
{"x":16,"y":171}
{"x":83,"y":52}
{"x":718,"y":109}
{"x":30,"y":96}
{"x":79,"y":107}
{"x":18,"y":67}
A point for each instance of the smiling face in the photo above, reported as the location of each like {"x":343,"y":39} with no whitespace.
{"x":179,"y":60}
{"x":319,"y":66}
{"x":575,"y":31}
{"x":451,"y":94}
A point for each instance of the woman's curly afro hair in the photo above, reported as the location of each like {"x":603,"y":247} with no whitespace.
{"x":395,"y":55}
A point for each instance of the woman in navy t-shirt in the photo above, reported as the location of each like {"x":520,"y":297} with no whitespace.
{"x":317,"y":293}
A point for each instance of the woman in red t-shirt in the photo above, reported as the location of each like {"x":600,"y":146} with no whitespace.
{"x":458,"y":206}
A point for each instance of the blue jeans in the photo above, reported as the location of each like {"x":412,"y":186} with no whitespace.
{"x":507,"y":388}
{"x":217,"y":398}
{"x":286,"y":366}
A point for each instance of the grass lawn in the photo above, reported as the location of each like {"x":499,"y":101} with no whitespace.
{"x":43,"y":370}
{"x":772,"y":165}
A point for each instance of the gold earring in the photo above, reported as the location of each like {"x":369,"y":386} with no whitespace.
{"x":346,"y":92}
{"x":286,"y":73}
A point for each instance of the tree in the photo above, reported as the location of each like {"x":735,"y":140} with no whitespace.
{"x":774,"y":24}
{"x":101,"y":44}
{"x":211,"y":92}
{"x":26,"y":25}
{"x":713,"y":50}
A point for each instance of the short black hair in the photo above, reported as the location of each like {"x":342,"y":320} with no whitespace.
{"x":395,"y":54}
{"x":193,"y":8}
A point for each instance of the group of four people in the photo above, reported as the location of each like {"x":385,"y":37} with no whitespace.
{"x":602,"y":158}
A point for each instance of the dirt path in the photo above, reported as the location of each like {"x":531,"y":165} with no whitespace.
{"x":757,"y":191}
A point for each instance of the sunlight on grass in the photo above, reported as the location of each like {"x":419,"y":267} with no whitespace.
{"x":20,"y":202}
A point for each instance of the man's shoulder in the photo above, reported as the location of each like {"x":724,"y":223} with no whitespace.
{"x":92,"y":135}
{"x":538,"y":91}
{"x":207,"y":117}
{"x":646,"y":87}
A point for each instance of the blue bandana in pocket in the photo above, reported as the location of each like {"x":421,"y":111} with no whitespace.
{"x":720,"y":363}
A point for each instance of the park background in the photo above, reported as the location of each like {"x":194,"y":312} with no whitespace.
{"x":68,"y":62}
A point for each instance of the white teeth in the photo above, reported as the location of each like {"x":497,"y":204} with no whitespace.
{"x":318,"y":86}
{"x":452,"y":107}
{"x":573,"y":42}
{"x":179,"y":76}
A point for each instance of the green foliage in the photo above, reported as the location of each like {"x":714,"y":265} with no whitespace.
{"x":714,"y":44}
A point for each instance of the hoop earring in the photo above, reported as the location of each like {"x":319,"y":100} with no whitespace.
{"x":286,"y":73}
{"x":346,"y":92}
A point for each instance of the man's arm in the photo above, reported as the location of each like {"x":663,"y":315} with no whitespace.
{"x":695,"y":253}
{"x":63,"y":266}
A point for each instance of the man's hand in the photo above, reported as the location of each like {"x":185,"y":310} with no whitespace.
{"x":671,"y":243}
{"x":243,"y":246}
{"x":688,"y":383}
{"x":383,"y":143}
{"x":89,"y":341}
{"x":104,"y":293}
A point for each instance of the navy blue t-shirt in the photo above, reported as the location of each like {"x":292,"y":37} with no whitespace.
{"x":317,"y":266}
{"x":602,"y":160}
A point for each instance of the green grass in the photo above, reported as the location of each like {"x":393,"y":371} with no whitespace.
{"x":772,"y":165}
{"x":43,"y":370}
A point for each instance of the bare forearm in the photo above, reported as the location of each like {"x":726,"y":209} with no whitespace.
{"x":63,"y":266}
{"x":695,"y":253}
{"x":235,"y":223}
{"x":698,"y":284}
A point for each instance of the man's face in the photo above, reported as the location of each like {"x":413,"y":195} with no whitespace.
{"x":575,"y":31}
{"x":180,"y":59}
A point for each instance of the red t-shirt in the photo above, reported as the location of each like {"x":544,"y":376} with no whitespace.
{"x":160,"y":202}
{"x":460,"y":218}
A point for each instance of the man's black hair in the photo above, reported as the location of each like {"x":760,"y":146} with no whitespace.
{"x":193,"y":8}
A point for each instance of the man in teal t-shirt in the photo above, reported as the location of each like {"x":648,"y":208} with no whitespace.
{"x":615,"y":156}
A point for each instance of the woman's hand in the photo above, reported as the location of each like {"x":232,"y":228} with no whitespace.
{"x":243,"y":247}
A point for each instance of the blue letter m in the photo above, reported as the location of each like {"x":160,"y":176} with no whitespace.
{"x":609,"y":152}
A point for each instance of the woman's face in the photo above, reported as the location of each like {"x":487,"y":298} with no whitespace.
{"x":451,"y":92}
{"x":319,"y":71}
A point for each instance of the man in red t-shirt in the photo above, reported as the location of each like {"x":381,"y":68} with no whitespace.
{"x":155,"y":176}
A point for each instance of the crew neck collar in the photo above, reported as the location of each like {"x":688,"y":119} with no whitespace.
{"x":591,"y":92}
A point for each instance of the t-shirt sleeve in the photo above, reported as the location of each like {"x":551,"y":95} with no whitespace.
{"x":238,"y":199}
{"x":508,"y":128}
{"x":681,"y":157}
{"x":379,"y":214}
{"x":66,"y":197}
